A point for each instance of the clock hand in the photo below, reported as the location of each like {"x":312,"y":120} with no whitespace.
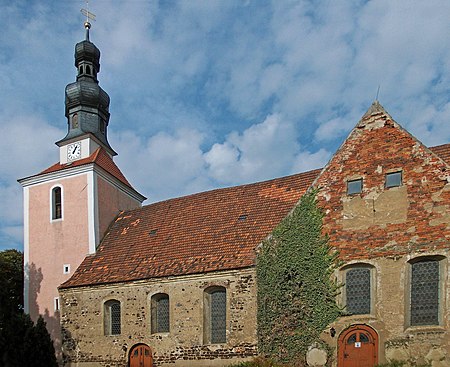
{"x":75,"y":149}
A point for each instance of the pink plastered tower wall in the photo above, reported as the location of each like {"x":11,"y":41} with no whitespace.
{"x":53,"y":244}
{"x":89,"y":204}
{"x":111,"y":201}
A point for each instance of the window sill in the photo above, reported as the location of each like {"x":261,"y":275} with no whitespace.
{"x":423,"y":329}
{"x":364,"y":317}
{"x":165,"y":333}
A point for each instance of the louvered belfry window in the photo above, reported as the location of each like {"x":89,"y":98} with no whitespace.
{"x":160,"y":313}
{"x":218,"y":316}
{"x":357,"y":290}
{"x":425,"y":293}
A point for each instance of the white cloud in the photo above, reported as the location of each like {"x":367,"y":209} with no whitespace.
{"x":262,"y":151}
{"x":164,"y":165}
{"x":28,"y":146}
{"x":306,"y":161}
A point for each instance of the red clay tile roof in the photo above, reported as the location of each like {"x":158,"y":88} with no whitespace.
{"x":209,"y":231}
{"x":442,"y":151}
{"x":100,"y":157}
{"x":214,"y":230}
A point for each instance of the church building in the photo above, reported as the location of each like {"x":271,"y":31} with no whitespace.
{"x":174,"y":283}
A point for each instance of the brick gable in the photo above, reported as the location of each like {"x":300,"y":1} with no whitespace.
{"x":386,"y":221}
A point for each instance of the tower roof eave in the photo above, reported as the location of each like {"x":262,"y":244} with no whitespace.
{"x":100,"y":159}
{"x":73,"y":136}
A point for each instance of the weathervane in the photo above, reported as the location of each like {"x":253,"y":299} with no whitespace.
{"x":89,"y":16}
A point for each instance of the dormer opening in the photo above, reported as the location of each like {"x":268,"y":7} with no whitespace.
{"x":74,"y":121}
{"x":102,"y":126}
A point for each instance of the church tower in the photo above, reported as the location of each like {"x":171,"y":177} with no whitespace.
{"x":69,"y":206}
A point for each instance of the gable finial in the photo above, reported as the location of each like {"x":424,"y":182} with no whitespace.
{"x":378,"y":92}
{"x":89,"y":16}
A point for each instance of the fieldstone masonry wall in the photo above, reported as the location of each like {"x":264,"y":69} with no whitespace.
{"x":86,"y":345}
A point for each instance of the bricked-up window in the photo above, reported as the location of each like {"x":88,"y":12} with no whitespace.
{"x":215,"y":317}
{"x":160,"y":313}
{"x":394,"y":179}
{"x":112,"y":317}
{"x":354,"y":186}
{"x":358,"y":291}
{"x":425,"y":292}
{"x":56,"y":203}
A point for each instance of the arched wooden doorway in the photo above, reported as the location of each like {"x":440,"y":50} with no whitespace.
{"x":358,"y":347}
{"x":140,"y":356}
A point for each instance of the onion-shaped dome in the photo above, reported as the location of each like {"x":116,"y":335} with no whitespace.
{"x":86,"y":93}
{"x":86,"y":51}
{"x":87,"y":104}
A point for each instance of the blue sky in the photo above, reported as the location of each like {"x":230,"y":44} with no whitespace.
{"x":214,"y":93}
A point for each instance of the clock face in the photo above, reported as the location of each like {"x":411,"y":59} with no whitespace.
{"x":74,"y":151}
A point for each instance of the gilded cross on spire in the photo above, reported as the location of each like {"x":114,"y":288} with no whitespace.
{"x":89,"y":16}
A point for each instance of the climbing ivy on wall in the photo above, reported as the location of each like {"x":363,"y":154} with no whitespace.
{"x":296,"y":293}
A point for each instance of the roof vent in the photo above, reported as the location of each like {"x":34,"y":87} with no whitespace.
{"x":243,"y":217}
{"x":153,"y":232}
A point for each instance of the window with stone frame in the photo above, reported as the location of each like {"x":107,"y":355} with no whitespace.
{"x":354,"y":186}
{"x":393,"y":179}
{"x":215,"y":315}
{"x":56,"y":198}
{"x":424,"y":292}
{"x":358,"y":290}
{"x":112,"y":317}
{"x":160,"y":313}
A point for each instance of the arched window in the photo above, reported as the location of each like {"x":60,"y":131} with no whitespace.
{"x":215,"y":315}
{"x":56,"y":199}
{"x":160,"y":312}
{"x":358,"y":289}
{"x":112,"y":321}
{"x":424,"y":291}
{"x":88,"y":70}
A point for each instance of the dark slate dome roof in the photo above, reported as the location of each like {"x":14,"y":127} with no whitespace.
{"x":87,"y":51}
{"x":87,"y":93}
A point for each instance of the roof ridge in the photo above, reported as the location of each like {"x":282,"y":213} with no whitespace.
{"x":249,"y":184}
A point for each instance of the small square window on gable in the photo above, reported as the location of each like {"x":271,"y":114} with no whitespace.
{"x":393,"y":179}
{"x":354,"y":186}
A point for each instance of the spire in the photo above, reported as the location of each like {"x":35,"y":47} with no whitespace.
{"x":87,"y":104}
{"x":87,"y":25}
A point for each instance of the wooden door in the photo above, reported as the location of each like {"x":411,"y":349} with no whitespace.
{"x":141,"y":356}
{"x":358,"y":347}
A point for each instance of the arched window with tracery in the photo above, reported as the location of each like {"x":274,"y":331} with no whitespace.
{"x":425,"y":280}
{"x":358,"y":289}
